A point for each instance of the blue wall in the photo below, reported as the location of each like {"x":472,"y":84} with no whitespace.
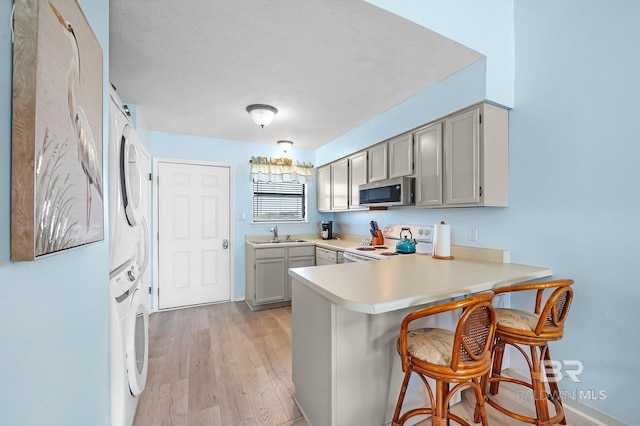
{"x":569,"y":69}
{"x":485,"y":26}
{"x":573,"y":182}
{"x":54,"y":312}
{"x":466,"y":87}
{"x":238,"y":154}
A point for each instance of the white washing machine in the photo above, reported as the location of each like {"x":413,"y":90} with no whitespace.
{"x":129,"y":258}
{"x":129,"y":327}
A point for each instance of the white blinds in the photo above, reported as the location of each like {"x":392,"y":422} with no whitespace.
{"x":279,"y":202}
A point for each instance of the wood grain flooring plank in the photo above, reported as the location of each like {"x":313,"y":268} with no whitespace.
{"x":280,"y":375}
{"x":234,"y":400}
{"x":267,"y":409}
{"x":265,"y":403}
{"x":200,"y":318}
{"x":176,"y":366}
{"x":224,"y":364}
{"x":170,"y":409}
{"x":202,"y":374}
{"x":208,"y":417}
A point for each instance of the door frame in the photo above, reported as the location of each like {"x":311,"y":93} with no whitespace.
{"x":156,"y":251}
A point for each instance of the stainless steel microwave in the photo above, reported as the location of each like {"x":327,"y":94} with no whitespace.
{"x":389,"y":192}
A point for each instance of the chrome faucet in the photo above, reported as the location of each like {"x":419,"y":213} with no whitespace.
{"x":275,"y":233}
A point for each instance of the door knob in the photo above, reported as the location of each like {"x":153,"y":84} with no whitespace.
{"x":225,"y":244}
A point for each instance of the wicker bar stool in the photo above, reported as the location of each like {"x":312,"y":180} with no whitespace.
{"x":520,"y":329}
{"x":461,"y":357}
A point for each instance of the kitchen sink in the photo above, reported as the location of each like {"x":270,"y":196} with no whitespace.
{"x":278,"y":242}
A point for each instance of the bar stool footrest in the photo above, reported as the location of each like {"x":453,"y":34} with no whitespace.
{"x":557,"y":418}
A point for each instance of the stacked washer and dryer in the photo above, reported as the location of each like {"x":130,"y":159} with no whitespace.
{"x":129,"y":277}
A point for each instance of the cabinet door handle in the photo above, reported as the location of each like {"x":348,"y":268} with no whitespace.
{"x":225,"y":244}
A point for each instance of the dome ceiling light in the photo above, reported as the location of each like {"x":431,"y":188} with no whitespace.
{"x":262,"y":114}
{"x":285,"y":145}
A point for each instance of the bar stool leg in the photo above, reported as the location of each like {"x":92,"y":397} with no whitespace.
{"x":553,"y":384}
{"x":439,"y":414}
{"x":496,"y":371}
{"x":480,"y":413}
{"x":403,"y":390}
{"x":539,"y":390}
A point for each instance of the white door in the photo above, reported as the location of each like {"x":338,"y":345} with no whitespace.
{"x":193,"y":234}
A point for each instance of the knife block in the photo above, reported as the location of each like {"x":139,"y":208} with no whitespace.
{"x":378,"y":240}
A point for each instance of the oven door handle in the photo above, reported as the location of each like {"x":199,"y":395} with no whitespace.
{"x":356,"y":258}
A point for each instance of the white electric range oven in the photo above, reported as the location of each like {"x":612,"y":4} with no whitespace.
{"x":422,"y":234}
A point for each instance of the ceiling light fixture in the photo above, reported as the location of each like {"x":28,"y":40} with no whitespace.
{"x":285,"y":145}
{"x":261,"y":114}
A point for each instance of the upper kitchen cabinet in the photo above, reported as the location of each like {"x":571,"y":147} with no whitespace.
{"x":357,"y":177}
{"x":393,"y":158}
{"x":476,"y":157}
{"x":461,"y":160}
{"x":340,"y":185}
{"x":323,"y":177}
{"x":401,"y":155}
{"x":377,"y":162}
{"x":428,"y":154}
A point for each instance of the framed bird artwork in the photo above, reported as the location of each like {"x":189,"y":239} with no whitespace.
{"x":57,"y":137}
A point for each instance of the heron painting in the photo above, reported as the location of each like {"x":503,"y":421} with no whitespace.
{"x":57,"y":149}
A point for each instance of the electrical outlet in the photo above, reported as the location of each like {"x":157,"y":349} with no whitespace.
{"x":473,"y":233}
{"x":241,"y":217}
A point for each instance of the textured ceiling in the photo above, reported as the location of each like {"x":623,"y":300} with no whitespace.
{"x":193,"y":66}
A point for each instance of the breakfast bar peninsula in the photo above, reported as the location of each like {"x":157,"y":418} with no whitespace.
{"x":345,"y":324}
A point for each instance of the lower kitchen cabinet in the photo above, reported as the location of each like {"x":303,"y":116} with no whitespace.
{"x":270,"y":280}
{"x":299,"y":257}
{"x":267,"y":282}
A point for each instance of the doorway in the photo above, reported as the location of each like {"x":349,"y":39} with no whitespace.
{"x":193,"y":211}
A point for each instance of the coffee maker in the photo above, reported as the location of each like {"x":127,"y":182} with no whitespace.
{"x":327,"y":229}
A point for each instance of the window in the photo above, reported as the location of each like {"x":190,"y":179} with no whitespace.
{"x":279,"y":202}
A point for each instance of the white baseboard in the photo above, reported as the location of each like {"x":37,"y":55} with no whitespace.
{"x":579,"y":408}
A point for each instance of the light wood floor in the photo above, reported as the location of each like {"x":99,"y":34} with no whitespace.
{"x":226,"y":365}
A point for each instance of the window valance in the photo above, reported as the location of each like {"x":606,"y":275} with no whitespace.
{"x":264,"y":169}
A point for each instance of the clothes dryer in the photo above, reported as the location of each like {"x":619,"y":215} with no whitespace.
{"x":125,"y":184}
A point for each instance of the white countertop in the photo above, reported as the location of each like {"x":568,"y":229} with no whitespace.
{"x":404,"y":281}
{"x":263,"y":241}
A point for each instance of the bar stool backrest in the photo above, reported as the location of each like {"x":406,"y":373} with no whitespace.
{"x":474,"y":335}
